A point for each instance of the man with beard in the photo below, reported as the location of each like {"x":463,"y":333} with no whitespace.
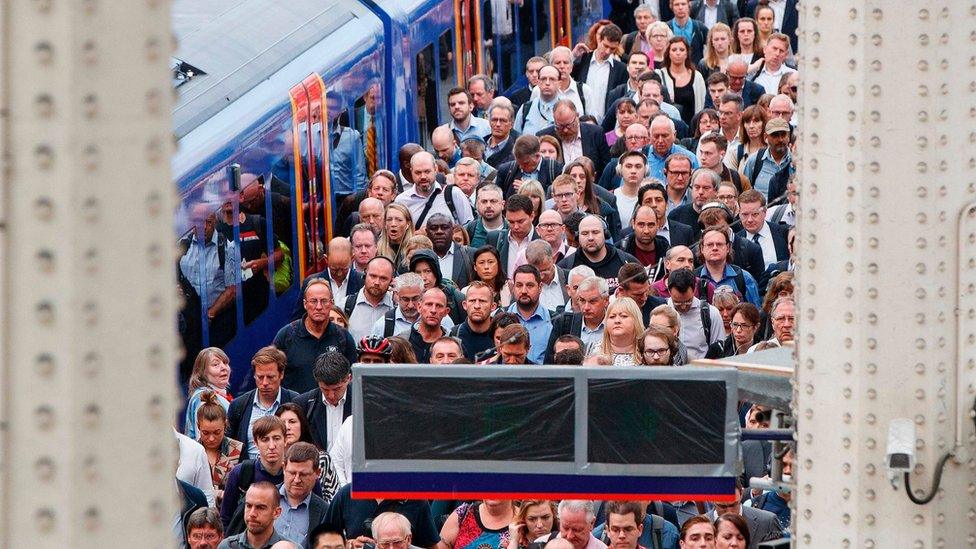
{"x":761,"y":167}
{"x":475,"y":331}
{"x":491,"y":205}
{"x":373,"y":299}
{"x":428,"y":196}
{"x":408,"y":292}
{"x":594,"y":252}
{"x":527,"y":287}
{"x":455,"y":259}
{"x":644,"y":243}
{"x":462,"y":123}
{"x":433,"y":309}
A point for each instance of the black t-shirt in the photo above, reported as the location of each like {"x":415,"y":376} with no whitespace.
{"x":350,"y":515}
{"x":472,"y":341}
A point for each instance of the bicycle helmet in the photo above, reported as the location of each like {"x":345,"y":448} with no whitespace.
{"x":375,"y":345}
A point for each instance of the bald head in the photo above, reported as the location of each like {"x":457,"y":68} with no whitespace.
{"x":550,"y":216}
{"x":423,"y":171}
{"x":442,"y":139}
{"x":662,"y":134}
{"x":371,"y":211}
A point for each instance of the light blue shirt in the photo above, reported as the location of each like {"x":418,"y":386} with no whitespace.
{"x":258,"y":412}
{"x":728,"y":279}
{"x":192,"y":405}
{"x":539,"y":326}
{"x":292,"y":523}
{"x":477,"y":127}
{"x":769,"y":168}
{"x":401,"y":325}
{"x":684,"y":31}
{"x":537,"y":116}
{"x":347,"y":161}
{"x":655,"y":163}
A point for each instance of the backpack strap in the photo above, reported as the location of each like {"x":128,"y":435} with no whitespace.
{"x":389,"y":322}
{"x":778,"y":214}
{"x":576,"y":324}
{"x":736,"y":179}
{"x":740,"y":281}
{"x":449,"y":200}
{"x":524,"y":111}
{"x":579,"y":91}
{"x":706,"y":320}
{"x":427,"y":207}
{"x":757,"y":167}
{"x":350,"y":304}
{"x":657,"y":531}
{"x":703,"y":288}
{"x":454,"y":330}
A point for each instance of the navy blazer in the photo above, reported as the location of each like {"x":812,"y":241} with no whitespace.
{"x":318,"y":421}
{"x":791,"y":19}
{"x":727,"y":12}
{"x":594,"y":143}
{"x":463,"y":265}
{"x":681,"y":234}
{"x":504,"y":154}
{"x":508,"y":172}
{"x":239,"y":414}
{"x":355,"y":284}
{"x":618,"y":72}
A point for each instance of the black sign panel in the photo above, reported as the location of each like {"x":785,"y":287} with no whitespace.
{"x":497,"y":419}
{"x":653,"y":421}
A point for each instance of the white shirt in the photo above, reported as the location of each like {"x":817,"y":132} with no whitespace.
{"x":625,"y":206}
{"x":765,"y":242}
{"x":597,"y":79}
{"x":339,"y":290}
{"x":447,"y":263}
{"x":665,"y":230}
{"x":711,"y":14}
{"x":341,"y":453}
{"x":779,"y":11}
{"x":416,"y":203}
{"x":365,"y":314}
{"x":194,"y":467}
{"x":552,"y":294}
{"x":514,"y":249}
{"x":572,"y":94}
{"x":572,"y":149}
{"x":770,"y":80}
{"x":789,"y":215}
{"x":692,"y":331}
{"x":333,"y":418}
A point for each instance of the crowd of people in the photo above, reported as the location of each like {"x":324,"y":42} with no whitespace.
{"x":633,"y":205}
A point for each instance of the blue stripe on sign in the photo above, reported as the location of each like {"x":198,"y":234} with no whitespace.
{"x":539,"y":483}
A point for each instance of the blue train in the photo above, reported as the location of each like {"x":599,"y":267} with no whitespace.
{"x":263,"y":84}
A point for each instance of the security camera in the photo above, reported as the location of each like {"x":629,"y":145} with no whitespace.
{"x":900,"y":454}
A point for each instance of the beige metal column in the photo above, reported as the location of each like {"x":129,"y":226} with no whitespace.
{"x":88,"y":296}
{"x":887,"y":169}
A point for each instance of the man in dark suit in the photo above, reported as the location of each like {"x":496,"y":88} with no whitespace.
{"x":749,"y":90}
{"x":519,"y":213}
{"x":599,"y":70}
{"x":440,"y":230}
{"x":676,"y":233}
{"x":725,"y":11}
{"x":771,"y":237}
{"x":578,"y":139}
{"x":683,"y":25}
{"x":501,"y":142}
{"x":339,"y":274}
{"x":522,"y":95}
{"x":331,"y":403}
{"x":791,"y":18}
{"x":268,"y":365}
{"x":636,"y":65}
{"x":528,"y":164}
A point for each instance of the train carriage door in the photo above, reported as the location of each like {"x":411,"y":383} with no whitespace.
{"x":467,"y":39}
{"x":561,"y":23}
{"x":313,"y":204}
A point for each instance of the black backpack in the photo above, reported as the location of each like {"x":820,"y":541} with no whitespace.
{"x":740,"y":283}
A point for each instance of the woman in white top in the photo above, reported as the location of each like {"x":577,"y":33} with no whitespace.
{"x":624,"y":325}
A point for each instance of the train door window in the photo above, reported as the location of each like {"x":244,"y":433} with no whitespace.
{"x":366,"y":122}
{"x":469,"y":38}
{"x":501,"y":25}
{"x":560,"y":21}
{"x":426,"y":96}
{"x":580,"y":13}
{"x":268,"y":201}
{"x":528,"y":19}
{"x":543,"y":36}
{"x":313,"y":187}
{"x":447,"y":72}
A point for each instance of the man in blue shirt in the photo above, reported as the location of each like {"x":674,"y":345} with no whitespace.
{"x":773,"y":158}
{"x":300,"y":507}
{"x":535,"y":318}
{"x":715,"y":251}
{"x":463,"y":123}
{"x":347,"y":161}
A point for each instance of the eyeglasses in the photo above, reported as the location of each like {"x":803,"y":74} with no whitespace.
{"x":678,"y":174}
{"x":656,"y":352}
{"x":741,"y":326}
{"x":390,"y":543}
{"x":549,"y":226}
{"x":567,"y":126}
{"x":316,"y":302}
{"x":563,"y":196}
{"x":636,"y":137}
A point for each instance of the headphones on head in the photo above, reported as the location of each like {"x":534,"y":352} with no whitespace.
{"x":729,"y":216}
{"x":606,"y":227}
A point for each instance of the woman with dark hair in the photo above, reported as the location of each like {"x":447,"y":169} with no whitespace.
{"x":337,"y":315}
{"x":731,"y":532}
{"x":488,"y":268}
{"x":704,"y":121}
{"x":297,"y":430}
{"x":752,"y":135}
{"x":626,"y":115}
{"x":742,"y":332}
{"x":745,"y":42}
{"x":684,"y":83}
{"x":551,"y":148}
{"x":223,"y":452}
{"x":402,"y":351}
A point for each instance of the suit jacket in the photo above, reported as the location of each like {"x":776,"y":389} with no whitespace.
{"x":463,"y":264}
{"x":791,"y":18}
{"x":239,"y":414}
{"x":771,"y":272}
{"x":748,"y":255}
{"x":499,"y":239}
{"x":504,"y":154}
{"x":508,"y":172}
{"x":622,"y":14}
{"x":618,"y":71}
{"x":681,"y":234}
{"x":355,"y":284}
{"x":780,"y":233}
{"x":686,"y":215}
{"x":594,"y":143}
{"x":520,"y":96}
{"x":727,"y":12}
{"x":763,"y":525}
{"x":315,"y":412}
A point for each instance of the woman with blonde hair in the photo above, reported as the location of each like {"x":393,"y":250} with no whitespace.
{"x":624,"y":326}
{"x":718,"y":48}
{"x":410,"y":247}
{"x":658,"y":35}
{"x":533,"y":189}
{"x":397,"y":229}
{"x":535,"y":518}
{"x":211,"y":372}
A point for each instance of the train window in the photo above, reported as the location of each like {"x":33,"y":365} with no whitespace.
{"x":529,"y":17}
{"x":250,"y":233}
{"x":366,"y":123}
{"x":447,"y":72}
{"x":426,"y":96}
{"x":543,"y":41}
{"x":271,"y":202}
{"x":500,"y":25}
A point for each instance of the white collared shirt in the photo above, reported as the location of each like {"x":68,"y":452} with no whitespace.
{"x":665,"y":230}
{"x":597,"y":79}
{"x":710,"y":15}
{"x":552,"y":294}
{"x":447,"y":263}
{"x":339,"y":290}
{"x":765,"y":242}
{"x":333,"y":417}
{"x":572,"y":149}
{"x":365,"y":314}
{"x":779,"y":11}
{"x":770,"y":79}
{"x":514,"y":249}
